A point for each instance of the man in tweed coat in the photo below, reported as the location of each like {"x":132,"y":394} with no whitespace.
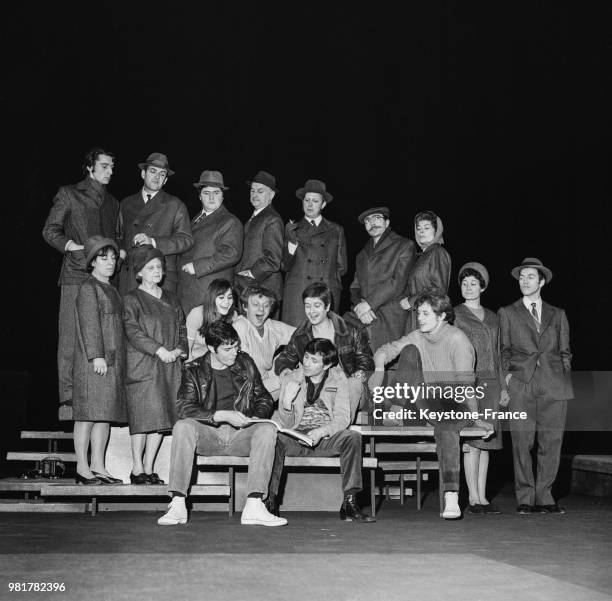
{"x":152,"y":216}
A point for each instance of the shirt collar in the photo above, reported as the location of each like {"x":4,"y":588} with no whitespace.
{"x":145,"y":194}
{"x":527,"y":302}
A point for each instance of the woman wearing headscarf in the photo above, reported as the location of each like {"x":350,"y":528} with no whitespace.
{"x":98,"y":362}
{"x":157,"y":339}
{"x":482,"y":328}
{"x":432,"y":268}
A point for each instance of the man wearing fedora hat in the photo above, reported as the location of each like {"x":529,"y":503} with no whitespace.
{"x":217,"y":243}
{"x":263,"y":240}
{"x":314,"y":252}
{"x":536,"y":362}
{"x":152,"y":216}
{"x":381,"y":274}
{"x":79,"y":211}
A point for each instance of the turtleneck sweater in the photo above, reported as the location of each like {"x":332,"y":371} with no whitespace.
{"x":447,"y":354}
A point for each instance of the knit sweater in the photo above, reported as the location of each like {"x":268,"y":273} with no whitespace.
{"x":447,"y":354}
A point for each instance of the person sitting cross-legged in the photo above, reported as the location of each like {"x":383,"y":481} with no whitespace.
{"x":314,"y":399}
{"x":219,"y":393}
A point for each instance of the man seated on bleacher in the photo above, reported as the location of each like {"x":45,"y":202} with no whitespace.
{"x":447,"y":358}
{"x":260,"y":336}
{"x":219,"y":393}
{"x":354,"y":353}
{"x":314,"y":399}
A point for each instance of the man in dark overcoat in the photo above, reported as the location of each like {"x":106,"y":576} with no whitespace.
{"x":152,"y":216}
{"x":536,"y":362}
{"x":217,"y":243}
{"x":79,"y":211}
{"x":380,"y":279}
{"x":314,"y":251}
{"x":263,"y":240}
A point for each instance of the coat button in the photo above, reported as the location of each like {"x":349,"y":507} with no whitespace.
{"x":322,"y":245}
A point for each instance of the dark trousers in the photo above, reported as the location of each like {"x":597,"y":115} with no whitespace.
{"x":346,"y":444}
{"x":66,"y":342}
{"x":546,"y":417}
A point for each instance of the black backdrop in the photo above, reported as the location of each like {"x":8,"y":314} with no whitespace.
{"x":494,"y":115}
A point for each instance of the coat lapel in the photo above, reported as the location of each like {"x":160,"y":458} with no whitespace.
{"x":152,"y":206}
{"x":547,"y":314}
{"x":524,"y":314}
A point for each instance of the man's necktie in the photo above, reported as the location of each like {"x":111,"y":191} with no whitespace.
{"x":199,"y":217}
{"x":534,"y":313}
{"x":312,"y":223}
{"x":148,"y":197}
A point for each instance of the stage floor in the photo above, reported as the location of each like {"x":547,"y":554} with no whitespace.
{"x":404,"y":555}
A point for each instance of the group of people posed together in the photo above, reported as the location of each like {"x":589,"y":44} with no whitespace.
{"x":188,"y":325}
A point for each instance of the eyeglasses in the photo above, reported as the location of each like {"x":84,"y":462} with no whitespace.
{"x":373,"y":219}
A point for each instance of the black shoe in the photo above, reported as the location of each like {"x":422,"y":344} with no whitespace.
{"x":107,"y":479}
{"x":476,"y":508}
{"x":154,"y":479}
{"x":491,"y":509}
{"x":554,"y":508}
{"x":139,"y":478}
{"x":87,"y":481}
{"x":524,"y":509}
{"x":271,"y":506}
{"x":350,"y":511}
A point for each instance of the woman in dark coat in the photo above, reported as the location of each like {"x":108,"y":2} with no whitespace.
{"x":99,"y":362}
{"x":482,"y":328}
{"x":219,"y":303}
{"x":157,"y":338}
{"x":432,"y":267}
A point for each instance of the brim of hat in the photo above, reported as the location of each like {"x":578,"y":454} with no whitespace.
{"x":210,"y":185}
{"x":365,"y":214}
{"x":249,"y":182}
{"x":327,"y":197}
{"x":548,"y":274}
{"x":97,"y":247}
{"x":143,"y":165}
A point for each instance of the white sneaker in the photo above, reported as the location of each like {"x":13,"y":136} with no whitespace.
{"x":177,"y":513}
{"x":255,"y":513}
{"x":451,"y":506}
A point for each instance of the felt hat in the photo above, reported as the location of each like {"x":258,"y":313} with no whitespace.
{"x":94,"y":244}
{"x":479,"y":267}
{"x":314,"y":185}
{"x":213,"y":179}
{"x":159,"y":160}
{"x":536,"y":264}
{"x":374,"y":210}
{"x":144,"y":253}
{"x":265,"y":178}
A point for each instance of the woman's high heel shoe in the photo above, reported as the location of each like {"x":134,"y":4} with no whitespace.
{"x":87,"y":481}
{"x":107,"y":479}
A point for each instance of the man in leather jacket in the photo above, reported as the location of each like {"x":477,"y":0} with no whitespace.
{"x":354,"y":351}
{"x":220,"y":395}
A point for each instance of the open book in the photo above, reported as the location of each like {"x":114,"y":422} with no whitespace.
{"x":301,"y":437}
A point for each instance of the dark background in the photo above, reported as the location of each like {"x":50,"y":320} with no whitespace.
{"x":494,"y":115}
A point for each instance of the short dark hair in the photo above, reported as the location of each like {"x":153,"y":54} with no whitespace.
{"x":427,"y":216}
{"x":101,"y":253}
{"x":469,"y":272}
{"x":89,"y":161}
{"x":319,"y":290}
{"x":257,"y":291}
{"x":218,"y":333}
{"x":323,"y":347}
{"x":439,"y":302}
